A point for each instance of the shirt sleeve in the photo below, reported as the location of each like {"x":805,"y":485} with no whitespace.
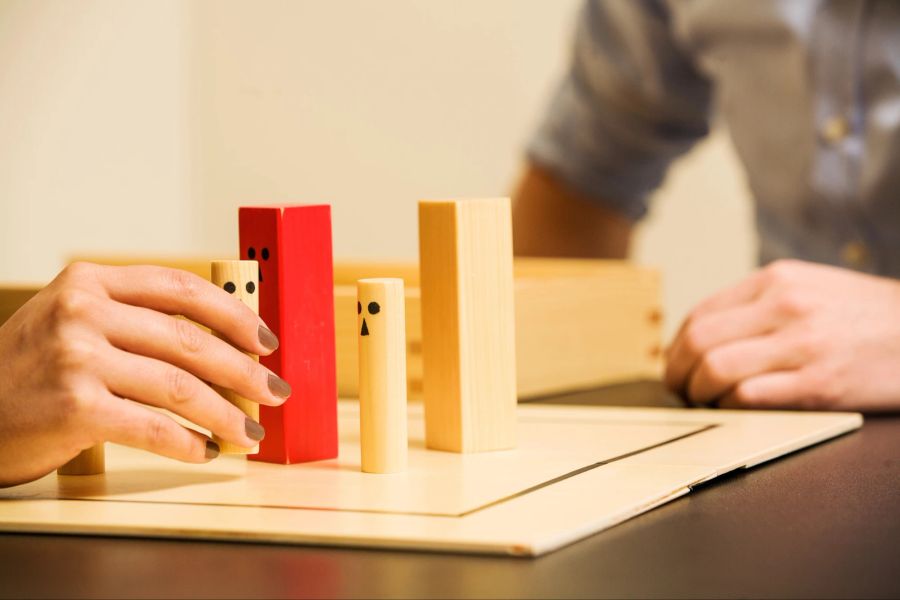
{"x":630,"y":103}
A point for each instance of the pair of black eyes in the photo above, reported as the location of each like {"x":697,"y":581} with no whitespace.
{"x":231,"y":288}
{"x":264,"y":253}
{"x":373,"y":307}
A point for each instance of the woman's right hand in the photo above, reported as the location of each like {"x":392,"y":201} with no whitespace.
{"x":86,"y":357}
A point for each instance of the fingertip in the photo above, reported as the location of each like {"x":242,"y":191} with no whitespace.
{"x":255,"y":432}
{"x":212,"y":450}
{"x":278,"y":387}
{"x":267,"y":339}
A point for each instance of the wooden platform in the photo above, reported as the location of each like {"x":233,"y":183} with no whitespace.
{"x":577,"y":470}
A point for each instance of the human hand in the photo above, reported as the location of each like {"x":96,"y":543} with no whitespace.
{"x":793,"y":335}
{"x":98,"y":335}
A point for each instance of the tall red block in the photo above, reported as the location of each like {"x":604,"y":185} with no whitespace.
{"x":296,"y":300}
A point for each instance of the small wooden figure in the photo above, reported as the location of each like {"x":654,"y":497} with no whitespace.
{"x":382,"y":375}
{"x":240,"y":278}
{"x":88,"y":462}
{"x":468,"y":324}
{"x":296,"y":281}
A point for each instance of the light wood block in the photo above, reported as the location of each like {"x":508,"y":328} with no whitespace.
{"x":382,"y":375}
{"x":468,"y":324}
{"x":575,"y":471}
{"x":240,"y":278}
{"x":88,"y":462}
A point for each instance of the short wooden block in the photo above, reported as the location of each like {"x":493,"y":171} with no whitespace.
{"x":296,"y":281}
{"x":240,"y":278}
{"x":468,"y":324}
{"x":88,"y":462}
{"x":382,"y":375}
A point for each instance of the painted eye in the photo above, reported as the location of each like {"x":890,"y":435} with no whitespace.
{"x":374,"y":309}
{"x":358,"y":308}
{"x":230,"y":287}
{"x":265,"y":254}
{"x":251,"y":287}
{"x":251,"y":253}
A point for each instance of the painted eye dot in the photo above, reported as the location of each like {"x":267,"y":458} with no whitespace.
{"x":251,"y":287}
{"x":251,"y":253}
{"x":265,"y":254}
{"x":358,"y":308}
{"x":230,"y":287}
{"x":374,"y":309}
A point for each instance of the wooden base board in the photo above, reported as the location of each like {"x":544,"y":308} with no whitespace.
{"x":577,"y":471}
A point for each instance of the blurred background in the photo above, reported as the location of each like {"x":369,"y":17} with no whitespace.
{"x":139,"y":126}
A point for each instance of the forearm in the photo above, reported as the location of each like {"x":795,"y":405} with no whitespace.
{"x":552,"y":219}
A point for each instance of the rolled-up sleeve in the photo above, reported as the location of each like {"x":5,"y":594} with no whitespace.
{"x":630,"y":103}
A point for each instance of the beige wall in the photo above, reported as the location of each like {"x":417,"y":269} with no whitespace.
{"x":140,"y":125}
{"x":93,"y":131}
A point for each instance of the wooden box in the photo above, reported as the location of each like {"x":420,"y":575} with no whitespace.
{"x":579,"y":323}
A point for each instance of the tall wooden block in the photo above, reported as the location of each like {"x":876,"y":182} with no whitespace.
{"x":88,"y":462}
{"x":382,"y":375}
{"x":468,"y":324}
{"x":239,"y":278}
{"x":296,"y":282}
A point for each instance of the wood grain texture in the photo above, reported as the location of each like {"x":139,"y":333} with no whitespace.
{"x":468,"y":324}
{"x":91,"y":461}
{"x":239,"y":278}
{"x":382,"y":375}
{"x":576,"y":471}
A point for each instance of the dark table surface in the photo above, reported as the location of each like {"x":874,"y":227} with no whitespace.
{"x":824,"y":522}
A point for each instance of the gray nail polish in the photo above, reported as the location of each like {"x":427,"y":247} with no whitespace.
{"x":254,"y":430}
{"x":267,"y":338}
{"x":212,"y":449}
{"x":279,"y":386}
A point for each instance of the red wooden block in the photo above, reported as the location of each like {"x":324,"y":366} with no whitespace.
{"x":296,"y":300}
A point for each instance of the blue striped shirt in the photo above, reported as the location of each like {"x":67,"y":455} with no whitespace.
{"x":810,"y":93}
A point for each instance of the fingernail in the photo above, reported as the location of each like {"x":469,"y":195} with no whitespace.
{"x":255,"y":431}
{"x":267,"y":338}
{"x":212,"y":449}
{"x":279,"y":386}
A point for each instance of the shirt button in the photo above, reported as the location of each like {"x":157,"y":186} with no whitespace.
{"x":835,"y":129}
{"x":855,"y":254}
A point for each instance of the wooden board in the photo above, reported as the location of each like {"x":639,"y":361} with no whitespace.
{"x":576,"y":471}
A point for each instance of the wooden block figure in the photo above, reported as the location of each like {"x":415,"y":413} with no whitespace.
{"x":239,"y":278}
{"x":296,"y":282}
{"x":468,"y":326}
{"x":382,"y":375}
{"x":88,"y":462}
